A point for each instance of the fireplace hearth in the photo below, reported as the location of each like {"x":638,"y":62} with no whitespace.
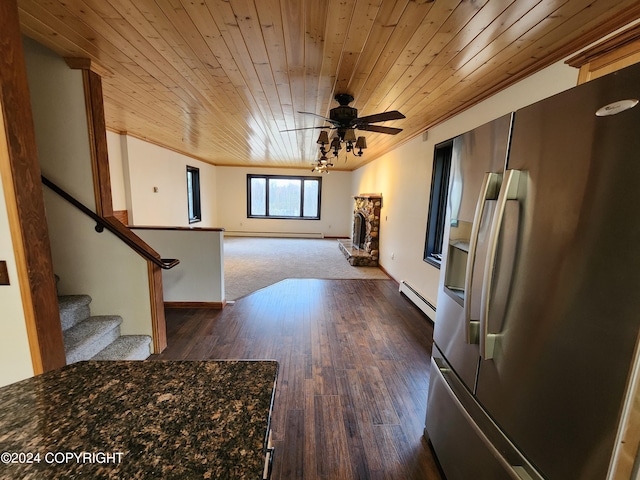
{"x":362,"y":248}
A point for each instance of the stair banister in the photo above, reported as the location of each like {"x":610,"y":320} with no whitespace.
{"x":115,"y":227}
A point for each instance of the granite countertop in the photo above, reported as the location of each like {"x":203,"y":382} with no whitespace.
{"x":138,"y":420}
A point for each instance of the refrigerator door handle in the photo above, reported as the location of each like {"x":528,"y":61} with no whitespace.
{"x":508,"y":192}
{"x":488,"y":191}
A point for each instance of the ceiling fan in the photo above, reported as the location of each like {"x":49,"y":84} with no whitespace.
{"x":344,"y":117}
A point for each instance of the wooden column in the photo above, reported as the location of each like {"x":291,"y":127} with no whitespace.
{"x":25,"y":203}
{"x":94,"y":102}
{"x":96,"y":125}
{"x":157,"y":308}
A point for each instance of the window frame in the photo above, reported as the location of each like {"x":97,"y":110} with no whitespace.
{"x":267,"y":178}
{"x":193,"y":195}
{"x":433,"y":245}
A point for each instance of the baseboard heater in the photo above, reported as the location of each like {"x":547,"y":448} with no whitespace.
{"x":418,"y":300}
{"x":229,"y":233}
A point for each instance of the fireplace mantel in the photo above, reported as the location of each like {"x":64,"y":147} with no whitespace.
{"x":371,"y":196}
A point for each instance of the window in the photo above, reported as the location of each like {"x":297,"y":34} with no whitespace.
{"x":438,"y":203}
{"x":274,"y":196}
{"x":193,"y":194}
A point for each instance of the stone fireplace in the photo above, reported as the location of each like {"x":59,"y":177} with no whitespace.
{"x":362,"y":249}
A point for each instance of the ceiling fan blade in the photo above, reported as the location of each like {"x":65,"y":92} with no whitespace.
{"x":316,"y":115}
{"x":381,"y":117}
{"x":332,"y":122}
{"x":380,"y":129}
{"x":304,"y":128}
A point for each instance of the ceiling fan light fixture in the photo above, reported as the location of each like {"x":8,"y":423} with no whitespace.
{"x":350,"y":135}
{"x":321,"y":167}
{"x":336,"y":146}
{"x":323,"y":138}
{"x":361,"y":144}
{"x":344,"y":121}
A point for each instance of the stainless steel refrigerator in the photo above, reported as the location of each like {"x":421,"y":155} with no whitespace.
{"x":538,"y":312}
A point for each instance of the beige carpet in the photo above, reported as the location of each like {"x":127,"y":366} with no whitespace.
{"x":252,"y":263}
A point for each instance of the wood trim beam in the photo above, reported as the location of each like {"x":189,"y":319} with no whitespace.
{"x":623,"y":38}
{"x":614,"y":23}
{"x":122,"y":216}
{"x":159,"y":325}
{"x":94,"y":105}
{"x":614,"y":53}
{"x":98,"y":142}
{"x":213,"y":305}
{"x":79,"y":63}
{"x":23,"y":193}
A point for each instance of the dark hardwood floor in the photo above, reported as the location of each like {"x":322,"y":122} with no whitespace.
{"x":354,"y":372}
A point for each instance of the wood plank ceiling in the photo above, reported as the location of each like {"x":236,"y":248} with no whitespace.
{"x":220,"y":79}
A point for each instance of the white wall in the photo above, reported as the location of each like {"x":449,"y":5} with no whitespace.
{"x":147,"y":166}
{"x":223,"y":192}
{"x":404,"y":177}
{"x":87,"y":262}
{"x":100,"y":265}
{"x":199,"y":277}
{"x":15,"y":354}
{"x":336,"y":203}
{"x":60,"y":121}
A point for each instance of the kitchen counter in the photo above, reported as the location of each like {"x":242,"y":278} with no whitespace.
{"x":139,"y":420}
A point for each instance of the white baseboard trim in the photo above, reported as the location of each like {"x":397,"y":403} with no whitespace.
{"x":418,"y":300}
{"x":229,"y":233}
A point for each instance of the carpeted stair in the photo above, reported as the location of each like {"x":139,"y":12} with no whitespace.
{"x":89,"y":337}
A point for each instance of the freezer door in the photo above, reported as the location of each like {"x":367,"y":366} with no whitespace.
{"x":467,"y":443}
{"x":477,"y":164}
{"x":561,"y":305}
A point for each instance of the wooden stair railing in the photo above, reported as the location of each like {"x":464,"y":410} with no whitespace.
{"x":117,"y":228}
